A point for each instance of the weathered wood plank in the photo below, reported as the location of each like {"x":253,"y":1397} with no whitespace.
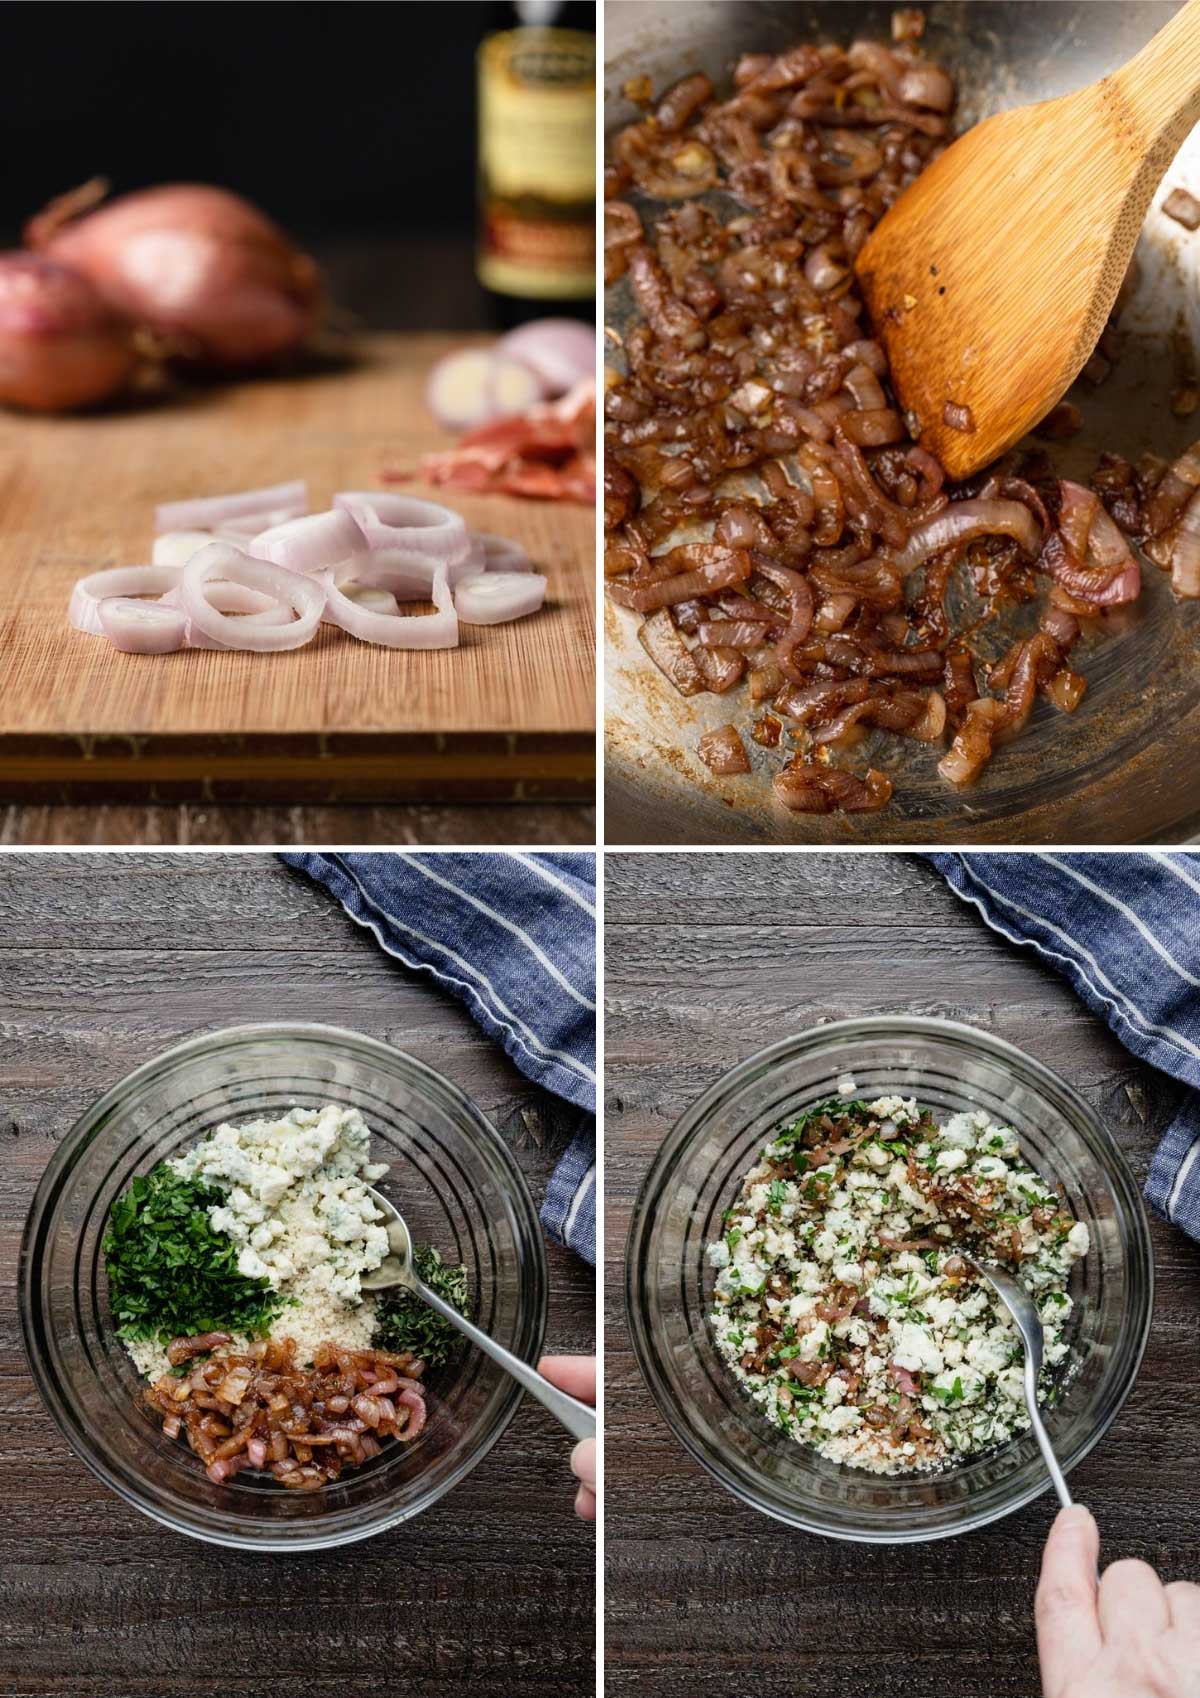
{"x":105,"y":959}
{"x":708,"y":957}
{"x":205,"y":824}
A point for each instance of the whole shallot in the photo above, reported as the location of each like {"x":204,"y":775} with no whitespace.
{"x":61,"y":345}
{"x":201,"y":267}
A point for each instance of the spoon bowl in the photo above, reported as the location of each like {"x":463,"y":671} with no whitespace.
{"x":1023,"y":1310}
{"x":990,"y":280}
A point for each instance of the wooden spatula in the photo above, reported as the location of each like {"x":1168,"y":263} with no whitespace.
{"x":992,"y":277}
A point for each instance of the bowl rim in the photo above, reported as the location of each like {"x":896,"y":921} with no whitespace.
{"x":667,"y":1157}
{"x":63,"y":1159}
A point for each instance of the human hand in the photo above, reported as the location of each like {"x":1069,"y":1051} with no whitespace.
{"x":576,"y":1375}
{"x":1128,"y":1637}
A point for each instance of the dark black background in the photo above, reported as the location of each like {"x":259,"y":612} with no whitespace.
{"x":354,"y":117}
{"x":352,"y":122}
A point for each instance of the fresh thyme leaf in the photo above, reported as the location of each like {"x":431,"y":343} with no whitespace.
{"x":169,"y":1273}
{"x":403,"y":1322}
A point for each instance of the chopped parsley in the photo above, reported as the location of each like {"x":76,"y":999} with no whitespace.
{"x":403,"y":1322}
{"x":834,"y":1107}
{"x":776,"y":1195}
{"x":170,"y":1275}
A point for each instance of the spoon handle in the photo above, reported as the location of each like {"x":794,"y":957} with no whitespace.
{"x":1039,"y":1432}
{"x":1159,"y":93}
{"x":576,"y":1417}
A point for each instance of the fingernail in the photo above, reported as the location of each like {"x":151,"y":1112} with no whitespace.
{"x":1075,"y":1515}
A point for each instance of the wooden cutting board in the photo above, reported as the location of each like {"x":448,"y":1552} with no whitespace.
{"x":510,"y":714}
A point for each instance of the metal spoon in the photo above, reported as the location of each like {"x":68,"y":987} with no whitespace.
{"x":397,"y":1269}
{"x":1023,"y":1310}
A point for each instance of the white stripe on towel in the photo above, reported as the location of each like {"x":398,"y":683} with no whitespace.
{"x":419,"y":863}
{"x":1123,"y":908}
{"x":568,"y":1060}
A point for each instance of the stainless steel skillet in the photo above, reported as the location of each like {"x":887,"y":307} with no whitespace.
{"x":1126,"y":767}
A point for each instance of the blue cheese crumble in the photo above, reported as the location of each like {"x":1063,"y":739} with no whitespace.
{"x":297,"y":1206}
{"x":839,"y":1303}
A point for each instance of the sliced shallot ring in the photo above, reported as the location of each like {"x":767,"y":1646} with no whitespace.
{"x":207,"y":512}
{"x":258,"y":609}
{"x":311,"y":543}
{"x":175,"y":548}
{"x":84,"y":610}
{"x":404,"y":521}
{"x":501,"y":554}
{"x":408,"y":578}
{"x":142,"y":627}
{"x":369,"y":595}
{"x":236,"y":598}
{"x":242,"y":531}
{"x":304,"y":596}
{"x":375,"y":597}
{"x":493,"y":598}
{"x":394,"y":630}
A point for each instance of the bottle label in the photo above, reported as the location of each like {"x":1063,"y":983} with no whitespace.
{"x":537,"y":162}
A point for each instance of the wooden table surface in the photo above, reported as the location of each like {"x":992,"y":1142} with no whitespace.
{"x":103,"y":961}
{"x":705,"y":1596}
{"x":123,"y":824}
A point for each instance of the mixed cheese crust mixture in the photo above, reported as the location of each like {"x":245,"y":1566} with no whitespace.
{"x":841,"y":1307}
{"x":296,"y":1204}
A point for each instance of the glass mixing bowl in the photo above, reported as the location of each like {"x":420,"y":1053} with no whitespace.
{"x":697,"y":1174}
{"x":454,"y":1181}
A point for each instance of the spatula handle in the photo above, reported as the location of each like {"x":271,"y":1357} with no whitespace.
{"x":1159,"y":91}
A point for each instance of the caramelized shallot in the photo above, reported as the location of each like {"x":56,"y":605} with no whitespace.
{"x":258,"y":1408}
{"x":760,"y":483}
{"x":722,"y":751}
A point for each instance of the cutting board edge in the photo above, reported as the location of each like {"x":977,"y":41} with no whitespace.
{"x":389,"y":767}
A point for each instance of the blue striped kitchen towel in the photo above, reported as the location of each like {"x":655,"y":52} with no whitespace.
{"x":513,"y":936}
{"x":1125,"y":930}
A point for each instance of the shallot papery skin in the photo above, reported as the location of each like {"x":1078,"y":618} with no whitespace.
{"x":206,"y":512}
{"x":61,"y":345}
{"x":199,"y":265}
{"x":222,"y":560}
{"x":546,"y":453}
{"x":492,"y":598}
